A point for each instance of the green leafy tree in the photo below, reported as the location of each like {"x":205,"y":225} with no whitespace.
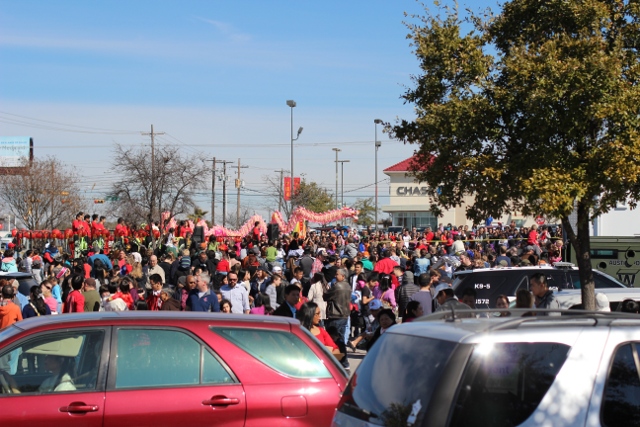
{"x":313,"y":197}
{"x":533,"y":109}
{"x":366,"y":211}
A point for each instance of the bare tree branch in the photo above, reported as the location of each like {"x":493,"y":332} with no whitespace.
{"x":46,"y":197}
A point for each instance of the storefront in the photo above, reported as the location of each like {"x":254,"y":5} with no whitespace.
{"x":410,"y":205}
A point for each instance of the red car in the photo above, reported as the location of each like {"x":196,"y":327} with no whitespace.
{"x":155,"y":369}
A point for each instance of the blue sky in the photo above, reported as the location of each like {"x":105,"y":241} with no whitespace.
{"x":213,"y":75}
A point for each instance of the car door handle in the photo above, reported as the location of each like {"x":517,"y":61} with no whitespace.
{"x":221,"y":401}
{"x":79,"y":408}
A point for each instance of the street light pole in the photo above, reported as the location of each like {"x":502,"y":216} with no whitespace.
{"x":291,"y":103}
{"x":377,"y":145}
{"x":342,"y":162}
{"x":337,"y":150}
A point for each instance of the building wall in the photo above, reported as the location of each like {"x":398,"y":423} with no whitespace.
{"x":411,"y":196}
{"x":406,"y":196}
{"x":621,"y":221}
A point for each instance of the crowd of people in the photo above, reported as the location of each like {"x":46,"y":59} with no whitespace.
{"x":346,"y":287}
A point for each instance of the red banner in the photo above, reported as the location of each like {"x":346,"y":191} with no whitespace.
{"x":287,"y":186}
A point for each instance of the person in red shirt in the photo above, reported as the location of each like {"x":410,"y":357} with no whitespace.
{"x":95,"y":226}
{"x":386,"y":264}
{"x":223,"y":264}
{"x":77,"y":224}
{"x":75,"y":299}
{"x":309,"y":315}
{"x":121,"y":228}
{"x":533,"y":240}
{"x":256,"y":233}
{"x":154,"y":302}
{"x":429,"y":235}
{"x":86,"y":223}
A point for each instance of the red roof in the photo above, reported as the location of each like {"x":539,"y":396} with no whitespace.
{"x":403,"y":166}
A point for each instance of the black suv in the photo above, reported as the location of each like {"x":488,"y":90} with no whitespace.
{"x":491,"y":282}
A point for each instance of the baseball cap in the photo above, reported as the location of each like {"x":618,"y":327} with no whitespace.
{"x":276,"y":269}
{"x":375,"y":304}
{"x":442,"y":287}
{"x":266,"y":270}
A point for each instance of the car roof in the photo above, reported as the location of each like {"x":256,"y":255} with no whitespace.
{"x":464,"y":330}
{"x":16,"y":274}
{"x":504,"y":269}
{"x":531,"y":270}
{"x":127,"y":316}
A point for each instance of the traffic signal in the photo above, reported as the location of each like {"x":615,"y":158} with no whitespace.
{"x":98,"y":201}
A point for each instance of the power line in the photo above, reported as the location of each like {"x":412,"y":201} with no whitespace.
{"x":81,"y":129}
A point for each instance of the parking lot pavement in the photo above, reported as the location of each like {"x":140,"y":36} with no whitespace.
{"x":355,"y":359}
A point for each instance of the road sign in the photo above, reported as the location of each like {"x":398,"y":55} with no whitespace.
{"x":540,"y":220}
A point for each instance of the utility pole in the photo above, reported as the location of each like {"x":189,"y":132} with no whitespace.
{"x":342,"y":162}
{"x":337,"y":150}
{"x":213,"y":193}
{"x":238,"y":186}
{"x":281,"y":171}
{"x":152,"y":134}
{"x":224,"y":190}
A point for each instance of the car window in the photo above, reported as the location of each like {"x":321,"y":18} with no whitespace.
{"x":621,"y":402}
{"x":282,"y":351}
{"x":560,"y":279}
{"x":599,"y":280}
{"x":393,"y":382}
{"x":53,"y":363}
{"x":165,"y":358}
{"x":504,"y":383}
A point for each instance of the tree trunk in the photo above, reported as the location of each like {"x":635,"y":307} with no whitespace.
{"x":582,"y":245}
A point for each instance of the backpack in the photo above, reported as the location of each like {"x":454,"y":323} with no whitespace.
{"x":185,"y":262}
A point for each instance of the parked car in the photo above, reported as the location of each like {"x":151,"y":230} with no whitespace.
{"x":395,"y":229}
{"x":156,"y":369}
{"x":524,"y":371}
{"x":571,"y":299}
{"x":491,"y":282}
{"x":5,"y":239}
{"x":25,"y":280}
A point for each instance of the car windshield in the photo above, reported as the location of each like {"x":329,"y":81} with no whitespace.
{"x":386,"y":386}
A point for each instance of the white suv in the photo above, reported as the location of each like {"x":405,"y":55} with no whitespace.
{"x":510,"y":371}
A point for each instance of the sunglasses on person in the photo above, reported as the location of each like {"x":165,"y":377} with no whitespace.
{"x":233,"y":279}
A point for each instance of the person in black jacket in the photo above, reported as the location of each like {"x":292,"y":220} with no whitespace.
{"x":291,"y":298}
{"x":338,"y":299}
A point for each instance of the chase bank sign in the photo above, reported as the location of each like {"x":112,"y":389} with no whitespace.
{"x":411,"y":191}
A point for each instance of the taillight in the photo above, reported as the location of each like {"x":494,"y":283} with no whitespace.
{"x":347,"y":395}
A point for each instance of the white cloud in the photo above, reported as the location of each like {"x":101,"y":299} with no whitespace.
{"x":227,"y":30}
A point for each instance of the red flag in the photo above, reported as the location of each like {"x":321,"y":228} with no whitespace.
{"x":287,"y":188}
